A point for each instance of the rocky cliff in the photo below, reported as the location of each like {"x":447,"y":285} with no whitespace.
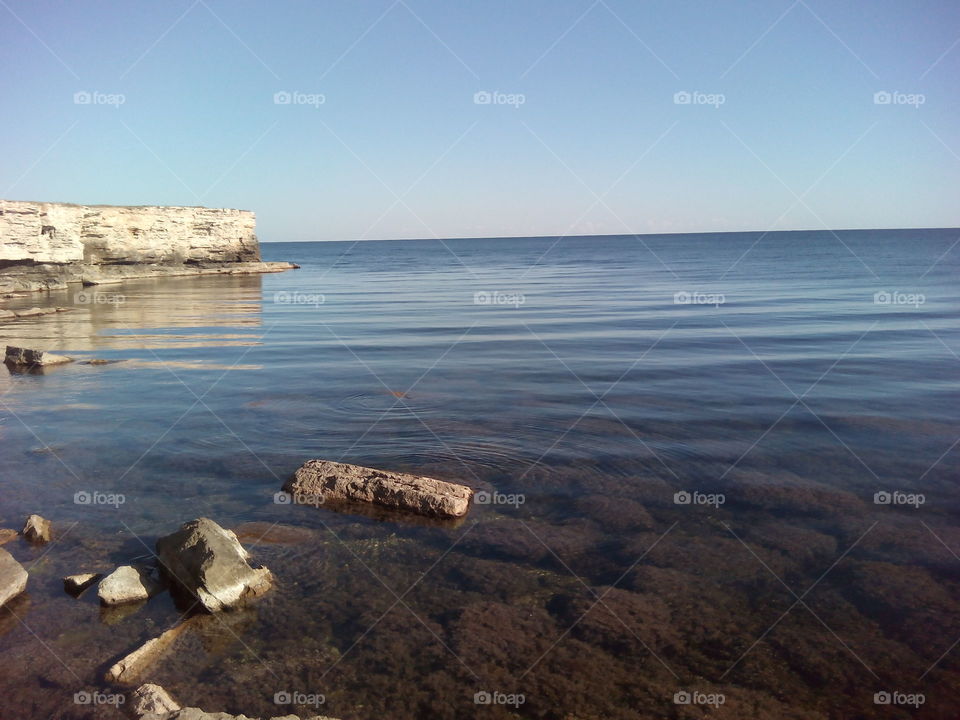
{"x":45,"y":245}
{"x":108,"y":235}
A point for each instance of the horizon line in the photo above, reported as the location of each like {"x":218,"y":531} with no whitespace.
{"x":613,"y":235}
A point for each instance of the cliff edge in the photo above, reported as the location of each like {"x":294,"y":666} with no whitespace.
{"x":44,"y":245}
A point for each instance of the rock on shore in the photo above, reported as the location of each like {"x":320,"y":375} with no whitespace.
{"x":13,"y":578}
{"x":412,"y":493}
{"x":209,"y":563}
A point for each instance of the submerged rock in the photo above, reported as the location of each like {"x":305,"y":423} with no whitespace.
{"x":13,"y":578}
{"x":209,"y":563}
{"x":20,"y":357}
{"x":37,"y":529}
{"x":130,"y":667}
{"x":76,"y":584}
{"x":128,"y":584}
{"x":6,"y":535}
{"x":412,"y":493}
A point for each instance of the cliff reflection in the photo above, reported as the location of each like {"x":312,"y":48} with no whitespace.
{"x":148,"y":314}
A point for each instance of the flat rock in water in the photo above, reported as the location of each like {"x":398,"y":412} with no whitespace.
{"x":209,"y":563}
{"x":21,"y":357}
{"x":37,"y":529}
{"x":13,"y":578}
{"x":411,"y":493}
{"x":128,"y":584}
{"x":7,"y":534}
{"x":76,"y":584}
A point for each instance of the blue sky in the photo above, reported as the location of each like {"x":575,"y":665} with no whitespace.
{"x":383,"y":136}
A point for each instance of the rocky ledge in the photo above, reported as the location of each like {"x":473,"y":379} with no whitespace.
{"x":44,"y":246}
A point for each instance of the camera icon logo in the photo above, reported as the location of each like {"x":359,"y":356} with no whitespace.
{"x":482,"y":97}
{"x":482,"y":698}
{"x":681,"y":298}
{"x":82,"y":698}
{"x":882,"y":97}
{"x":882,"y":298}
{"x":282,"y":498}
{"x":282,"y":98}
{"x":82,"y":98}
{"x":82,"y":497}
{"x":682,"y":697}
{"x":681,"y":98}
{"x":882,"y":698}
{"x":682,"y":498}
{"x":282,"y":698}
{"x":482,"y":498}
{"x":882,"y":498}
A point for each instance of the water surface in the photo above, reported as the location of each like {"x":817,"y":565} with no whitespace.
{"x":796,"y":375}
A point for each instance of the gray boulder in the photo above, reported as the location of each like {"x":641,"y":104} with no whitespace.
{"x":319,"y":480}
{"x":13,"y":578}
{"x":209,"y":563}
{"x":128,"y":584}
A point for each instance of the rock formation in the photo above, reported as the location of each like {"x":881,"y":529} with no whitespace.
{"x":323,"y":480}
{"x":45,"y":245}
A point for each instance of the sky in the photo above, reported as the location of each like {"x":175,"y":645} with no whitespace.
{"x":373,"y":119}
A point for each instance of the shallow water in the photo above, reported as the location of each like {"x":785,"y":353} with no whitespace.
{"x":573,"y":379}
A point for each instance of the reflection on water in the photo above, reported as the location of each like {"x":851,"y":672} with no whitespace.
{"x":147,"y":314}
{"x":702,"y":489}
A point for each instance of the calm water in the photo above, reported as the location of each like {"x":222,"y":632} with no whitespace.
{"x":593,"y":379}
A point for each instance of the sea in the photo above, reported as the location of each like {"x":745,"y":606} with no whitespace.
{"x":716,"y":475}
